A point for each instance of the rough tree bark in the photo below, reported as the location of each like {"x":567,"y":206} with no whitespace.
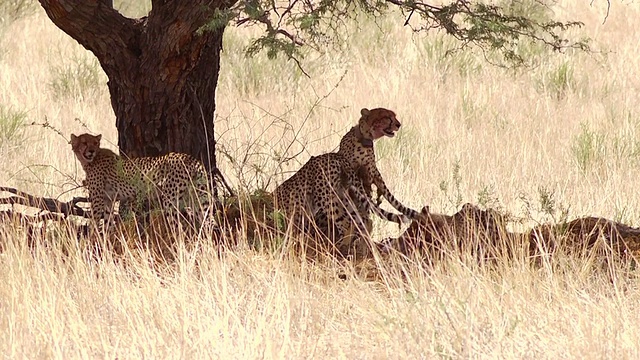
{"x":162,"y":73}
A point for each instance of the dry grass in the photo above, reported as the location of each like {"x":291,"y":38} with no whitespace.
{"x":561,"y":135}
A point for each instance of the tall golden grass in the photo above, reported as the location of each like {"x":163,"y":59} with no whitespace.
{"x":557,"y":139}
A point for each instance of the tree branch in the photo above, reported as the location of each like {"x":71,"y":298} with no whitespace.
{"x":98,"y":27}
{"x":497,"y":29}
{"x":490,"y":27}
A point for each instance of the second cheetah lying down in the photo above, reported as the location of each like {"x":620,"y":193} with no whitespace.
{"x":484,"y":233}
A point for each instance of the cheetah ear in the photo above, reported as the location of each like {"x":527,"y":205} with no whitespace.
{"x":73,"y":139}
{"x":364,"y":112}
{"x":468,"y":207}
{"x":99,"y":137}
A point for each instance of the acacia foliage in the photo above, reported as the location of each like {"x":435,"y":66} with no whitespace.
{"x":496,"y":29}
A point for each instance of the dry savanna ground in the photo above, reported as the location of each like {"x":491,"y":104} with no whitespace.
{"x":557,"y":139}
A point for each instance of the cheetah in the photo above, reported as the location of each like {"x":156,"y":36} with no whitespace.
{"x":433,"y":233}
{"x":170,"y":180}
{"x":485,"y":234}
{"x":322,"y":192}
{"x":331,"y":183}
{"x":356,"y":146}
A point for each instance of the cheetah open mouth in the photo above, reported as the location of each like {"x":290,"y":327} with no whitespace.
{"x":89,"y":155}
{"x":389,"y":133}
{"x":378,"y":133}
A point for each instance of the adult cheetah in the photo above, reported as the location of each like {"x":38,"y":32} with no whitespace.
{"x":334,"y":189}
{"x":167,"y":181}
{"x":325,"y":195}
{"x":356,"y":146}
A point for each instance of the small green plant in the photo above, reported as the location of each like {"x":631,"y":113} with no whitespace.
{"x":448,"y":57}
{"x":471,"y":111}
{"x":625,"y":148}
{"x":11,"y":11}
{"x":547,"y":200}
{"x":82,"y":78}
{"x":623,"y":215}
{"x":559,"y":80}
{"x":549,"y":205}
{"x":279,"y":220}
{"x":257,"y":73}
{"x":456,"y":179}
{"x":588,"y":148}
{"x":487,"y":197}
{"x":11,"y":125}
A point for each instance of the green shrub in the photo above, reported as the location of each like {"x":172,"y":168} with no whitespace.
{"x":11,"y":126}
{"x":559,"y":80}
{"x":82,"y":78}
{"x":487,"y":197}
{"x":550,"y":206}
{"x":588,"y":148}
{"x":12,"y":10}
{"x":400,"y":147}
{"x":446,"y":55}
{"x":256,"y":74}
{"x":452,"y":188}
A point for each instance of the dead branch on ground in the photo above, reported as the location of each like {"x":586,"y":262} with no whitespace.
{"x":57,"y":209}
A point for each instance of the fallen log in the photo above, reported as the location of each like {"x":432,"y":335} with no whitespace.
{"x":53,"y":206}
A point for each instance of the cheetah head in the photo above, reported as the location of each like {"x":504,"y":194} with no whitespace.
{"x":376,"y":123}
{"x":424,"y":229}
{"x":428,"y":230}
{"x":85,"y":147}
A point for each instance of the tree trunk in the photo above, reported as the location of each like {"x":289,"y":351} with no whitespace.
{"x":162,"y":73}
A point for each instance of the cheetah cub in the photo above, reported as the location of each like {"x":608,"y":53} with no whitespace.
{"x":333,"y":190}
{"x":162,"y":182}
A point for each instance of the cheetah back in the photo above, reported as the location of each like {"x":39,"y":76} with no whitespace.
{"x":160,"y":182}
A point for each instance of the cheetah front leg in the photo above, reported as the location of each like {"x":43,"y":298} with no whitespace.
{"x":359,"y":194}
{"x":99,"y":201}
{"x":369,"y":206}
{"x":384,"y":190}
